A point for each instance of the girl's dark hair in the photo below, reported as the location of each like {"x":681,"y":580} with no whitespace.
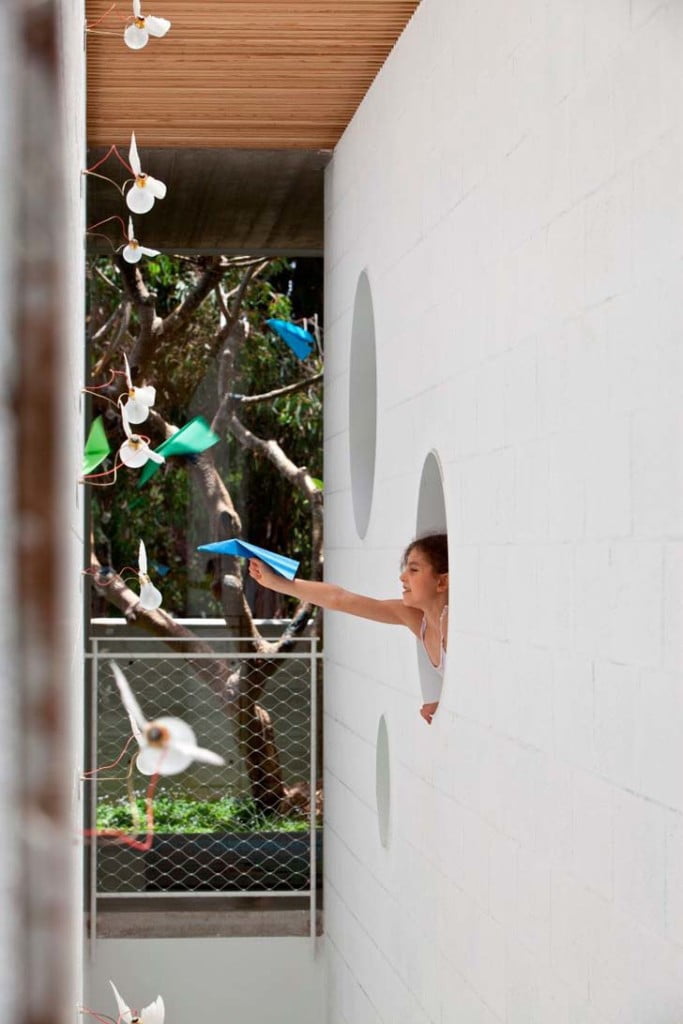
{"x":434,"y":546}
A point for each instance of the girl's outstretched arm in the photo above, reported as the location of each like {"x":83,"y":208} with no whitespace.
{"x":328,"y":595}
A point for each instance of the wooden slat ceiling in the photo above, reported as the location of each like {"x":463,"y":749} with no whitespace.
{"x":238,"y":73}
{"x":237,"y":109}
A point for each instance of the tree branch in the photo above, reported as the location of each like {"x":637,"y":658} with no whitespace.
{"x":297,"y":475}
{"x":115,"y":343}
{"x":222,"y":299}
{"x":103,"y":277}
{"x":178,"y":318}
{"x":233,"y":313}
{"x":268,"y":396}
{"x":235,"y":338}
{"x":215,"y":672}
{"x":143,"y":302}
{"x":152,"y":327}
{"x":104,"y":328}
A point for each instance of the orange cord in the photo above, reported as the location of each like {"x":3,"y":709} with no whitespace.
{"x":114,"y":150}
{"x":90,"y":25}
{"x":103,"y":768}
{"x":118,"y":836}
{"x":101,"y":1017}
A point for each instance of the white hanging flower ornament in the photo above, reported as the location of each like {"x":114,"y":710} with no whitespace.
{"x":145,"y":189}
{"x":140,"y":400}
{"x":167,"y":745}
{"x":133,"y":252}
{"x":150,"y":597}
{"x":152,"y":1014}
{"x":135,"y":451}
{"x":142,"y":27}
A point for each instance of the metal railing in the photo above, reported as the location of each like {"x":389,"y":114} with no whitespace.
{"x":218,"y":831}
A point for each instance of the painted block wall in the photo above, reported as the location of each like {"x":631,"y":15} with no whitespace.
{"x":216,"y":980}
{"x":72,"y":157}
{"x":513,"y":187}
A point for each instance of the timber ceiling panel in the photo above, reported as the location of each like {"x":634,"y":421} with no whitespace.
{"x":273,"y":74}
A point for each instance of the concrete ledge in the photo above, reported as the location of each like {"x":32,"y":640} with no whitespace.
{"x":204,"y":918}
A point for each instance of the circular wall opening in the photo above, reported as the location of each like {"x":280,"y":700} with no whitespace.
{"x":383,"y":781}
{"x":431,"y":518}
{"x":362,"y":405}
{"x":431,"y":503}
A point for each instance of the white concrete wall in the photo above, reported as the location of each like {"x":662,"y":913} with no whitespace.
{"x":72,"y":134}
{"x":215,"y":981}
{"x":513,"y":186}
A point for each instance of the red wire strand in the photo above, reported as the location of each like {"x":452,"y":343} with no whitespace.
{"x":101,"y":1017}
{"x":112,"y":149}
{"x":104,"y":767}
{"x":89,"y":477}
{"x":90,"y":25}
{"x":122,"y":837}
{"x":90,"y":391}
{"x":90,"y":230}
{"x":100,"y":387}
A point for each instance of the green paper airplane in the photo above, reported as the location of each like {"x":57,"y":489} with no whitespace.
{"x":192,"y":439}
{"x":97,"y":447}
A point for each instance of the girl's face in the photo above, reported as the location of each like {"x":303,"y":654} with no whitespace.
{"x":421,"y":585}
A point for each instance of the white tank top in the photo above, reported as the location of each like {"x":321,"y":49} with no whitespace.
{"x":431,"y":687}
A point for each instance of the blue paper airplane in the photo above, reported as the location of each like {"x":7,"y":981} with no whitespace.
{"x":286,"y":567}
{"x":300,"y":341}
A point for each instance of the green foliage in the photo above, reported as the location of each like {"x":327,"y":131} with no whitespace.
{"x":166,"y":514}
{"x":181,"y":815}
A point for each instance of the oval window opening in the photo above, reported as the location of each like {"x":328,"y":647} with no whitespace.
{"x":431,"y":519}
{"x":362,"y":405}
{"x":383,"y":781}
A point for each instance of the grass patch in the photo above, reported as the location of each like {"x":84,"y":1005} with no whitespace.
{"x":182,"y":815}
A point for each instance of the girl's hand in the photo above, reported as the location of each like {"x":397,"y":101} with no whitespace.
{"x":428,"y":711}
{"x":263,"y":574}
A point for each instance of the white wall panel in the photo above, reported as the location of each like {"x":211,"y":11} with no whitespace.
{"x":259,"y":980}
{"x":512,"y":185}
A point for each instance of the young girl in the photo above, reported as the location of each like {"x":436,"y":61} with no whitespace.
{"x":423,"y":607}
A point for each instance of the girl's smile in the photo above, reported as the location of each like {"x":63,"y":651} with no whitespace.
{"x":420,"y":584}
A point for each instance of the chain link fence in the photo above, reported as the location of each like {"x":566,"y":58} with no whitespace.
{"x":249,"y":828}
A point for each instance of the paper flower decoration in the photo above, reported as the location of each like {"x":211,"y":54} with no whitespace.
{"x":286,"y":567}
{"x":140,"y":400}
{"x":137,"y":34}
{"x":150,"y":597}
{"x":192,"y":439}
{"x":152,"y":1014}
{"x":97,"y":446}
{"x":145,"y":189}
{"x":300,"y":341}
{"x":133,"y":252}
{"x":135,"y":451}
{"x":167,"y":745}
